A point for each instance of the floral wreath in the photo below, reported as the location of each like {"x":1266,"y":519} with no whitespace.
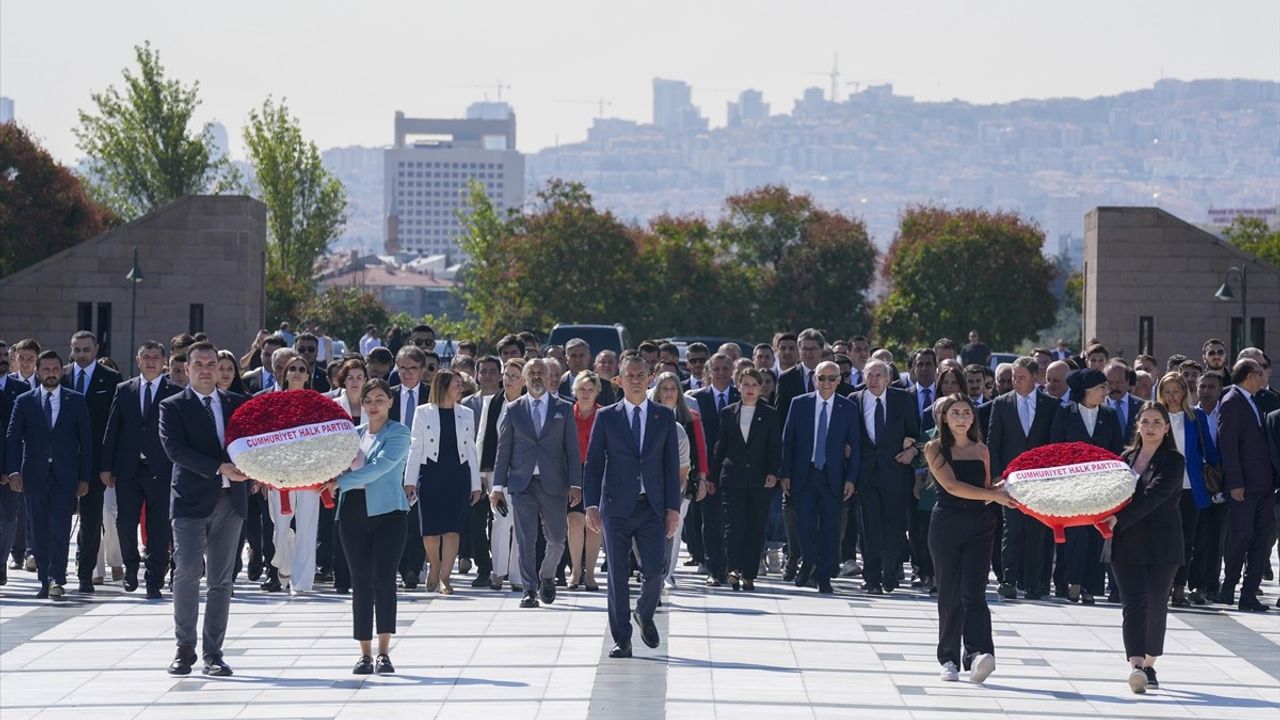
{"x":1070,"y":484}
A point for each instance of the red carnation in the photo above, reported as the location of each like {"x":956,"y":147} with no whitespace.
{"x":1057,"y":455}
{"x":280,"y":410}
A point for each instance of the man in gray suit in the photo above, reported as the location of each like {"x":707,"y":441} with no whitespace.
{"x":539,"y":464}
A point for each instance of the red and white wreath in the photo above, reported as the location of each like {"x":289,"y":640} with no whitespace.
{"x":1070,"y":485}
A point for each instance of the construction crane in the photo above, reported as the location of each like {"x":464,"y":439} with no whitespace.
{"x":601,"y":103}
{"x":499,"y":85}
{"x":833,"y":75}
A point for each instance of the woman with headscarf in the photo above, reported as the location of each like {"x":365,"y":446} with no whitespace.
{"x":1086,"y":419}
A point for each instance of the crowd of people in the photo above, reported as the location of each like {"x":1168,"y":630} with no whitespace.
{"x":810,"y":459}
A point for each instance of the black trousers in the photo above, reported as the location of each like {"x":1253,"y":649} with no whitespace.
{"x":144,"y":488}
{"x":960,"y":541}
{"x":326,"y":539}
{"x":1206,"y":554}
{"x":849,"y":534}
{"x":692,"y":532}
{"x":746,"y":513}
{"x":792,"y":527}
{"x":371,"y":545}
{"x":1190,"y":525}
{"x":713,"y":533}
{"x":921,"y":557}
{"x":259,"y":532}
{"x":414,"y":554}
{"x":89,"y":537}
{"x":1022,"y":550}
{"x":479,"y":517}
{"x":884,"y":528}
{"x":1144,"y":594}
{"x":1253,"y":523}
{"x":1083,"y":560}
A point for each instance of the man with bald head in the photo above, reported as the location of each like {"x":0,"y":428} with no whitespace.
{"x":817,"y":473}
{"x":1055,"y":380}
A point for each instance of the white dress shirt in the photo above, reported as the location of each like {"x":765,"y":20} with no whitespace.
{"x":869,"y":412}
{"x":644,"y":420}
{"x":217,"y":421}
{"x":539,"y":423}
{"x":1090,"y":417}
{"x":745,"y":414}
{"x":368,"y":343}
{"x":922,"y":406}
{"x":407,"y":407}
{"x":1177,"y":428}
{"x":142,"y":392}
{"x":1213,"y":421}
{"x":1029,"y":400}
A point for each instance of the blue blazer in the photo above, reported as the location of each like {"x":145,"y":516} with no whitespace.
{"x":611,"y":476}
{"x":1194,"y":433}
{"x":130,"y":434}
{"x":844,"y":427}
{"x":382,"y":476}
{"x":31,"y":446}
{"x":191,"y":441}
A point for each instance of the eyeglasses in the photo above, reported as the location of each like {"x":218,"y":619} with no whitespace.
{"x":828,"y":378}
{"x":1215,"y":352}
{"x":424,"y":342}
{"x":297,"y":370}
{"x":409,"y":368}
{"x":307,"y":349}
{"x":430,"y":368}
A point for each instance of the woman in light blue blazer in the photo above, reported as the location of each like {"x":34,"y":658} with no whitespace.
{"x":371,"y":511}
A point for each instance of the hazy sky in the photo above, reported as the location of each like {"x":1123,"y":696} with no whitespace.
{"x":346,"y":66}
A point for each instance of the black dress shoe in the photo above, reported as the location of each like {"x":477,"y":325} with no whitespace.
{"x":1249,"y":603}
{"x":130,"y":579}
{"x":410,"y":580}
{"x":384,"y":666}
{"x":620,"y":651}
{"x":481,"y":580}
{"x":803,"y":577}
{"x":648,"y":630}
{"x":1008,"y":591}
{"x":182,"y":661}
{"x":530,"y":600}
{"x":1227,"y":596}
{"x":154,"y":594}
{"x":789,"y":574}
{"x":872,"y":588}
{"x":42,"y":593}
{"x":271,"y":585}
{"x":255,"y":569}
{"x":890,"y":586}
{"x":748,"y":584}
{"x":215,"y":666}
{"x":824,"y":588}
{"x":86,"y":587}
{"x":547,"y":593}
{"x":363,"y":666}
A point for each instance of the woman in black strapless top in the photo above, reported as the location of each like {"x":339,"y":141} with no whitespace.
{"x":961,"y":532}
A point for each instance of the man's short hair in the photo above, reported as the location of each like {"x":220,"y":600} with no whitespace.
{"x":1239,"y":372}
{"x":1190,"y":364}
{"x":489,"y":359}
{"x":412,"y":353}
{"x":27,"y":344}
{"x":785,"y":336}
{"x":276,"y":340}
{"x":510,"y":339}
{"x":527,"y":338}
{"x":1211,"y":341}
{"x":422,"y":329}
{"x":1096,"y":348}
{"x":152,"y":345}
{"x":84,"y":335}
{"x":924,"y":351}
{"x":701,"y":347}
{"x":945,"y":344}
{"x":648,"y":346}
{"x":381,"y":355}
{"x":1215,"y":375}
{"x":1027,"y":362}
{"x":668,"y":347}
{"x":577,"y":342}
{"x":1175,"y":361}
{"x":305,"y":336}
{"x":812,"y":334}
{"x":49,"y":354}
{"x":976,"y":368}
{"x":204,"y":346}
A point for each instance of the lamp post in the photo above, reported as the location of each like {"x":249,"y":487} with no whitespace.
{"x":1224,"y":294}
{"x":134,"y":277}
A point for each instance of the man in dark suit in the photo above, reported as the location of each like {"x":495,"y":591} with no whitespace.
{"x":12,"y":514}
{"x":631,"y":485}
{"x":134,"y":463}
{"x":97,"y":383}
{"x":818,"y":473}
{"x":891,"y":424}
{"x":577,"y":353}
{"x":540,"y":465}
{"x":792,"y":383}
{"x":712,"y":398}
{"x":208,"y":501}
{"x":695,"y":357}
{"x":1247,"y":478}
{"x":1266,"y":399}
{"x":1119,"y":382}
{"x":924,"y":384}
{"x":49,"y":458}
{"x":264,"y":377}
{"x":308,"y":346}
{"x":1020,"y":421}
{"x":412,"y":392}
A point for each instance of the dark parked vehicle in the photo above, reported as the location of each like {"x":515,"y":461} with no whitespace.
{"x":599,"y":337}
{"x":711,"y":341}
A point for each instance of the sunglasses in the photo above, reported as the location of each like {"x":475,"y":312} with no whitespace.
{"x":308,"y":349}
{"x":1216,"y":352}
{"x":828,"y":378}
{"x":422,"y":342}
{"x":296,"y":369}
{"x":430,"y":368}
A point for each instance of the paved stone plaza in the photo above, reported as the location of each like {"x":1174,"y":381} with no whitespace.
{"x":779,"y":653}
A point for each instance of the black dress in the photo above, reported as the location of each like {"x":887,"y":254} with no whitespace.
{"x":961,"y":533}
{"x":444,"y":484}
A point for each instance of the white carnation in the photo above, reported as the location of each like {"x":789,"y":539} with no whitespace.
{"x":1090,"y":493}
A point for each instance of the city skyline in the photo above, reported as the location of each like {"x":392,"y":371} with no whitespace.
{"x":344,"y":71}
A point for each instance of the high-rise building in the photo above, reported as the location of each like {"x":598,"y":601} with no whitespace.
{"x":426,"y":175}
{"x":221,"y":141}
{"x":6,"y":109}
{"x":750,"y":108}
{"x":673,"y":107}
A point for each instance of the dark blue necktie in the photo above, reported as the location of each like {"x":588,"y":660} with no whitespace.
{"x":821,"y":449}
{"x":48,"y":409}
{"x":146,"y":401}
{"x":80,"y":380}
{"x":635,"y":425}
{"x":720,"y":401}
{"x":208,"y":408}
{"x":879,"y":420}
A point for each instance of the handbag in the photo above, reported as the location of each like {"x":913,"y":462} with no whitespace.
{"x":1211,"y":473}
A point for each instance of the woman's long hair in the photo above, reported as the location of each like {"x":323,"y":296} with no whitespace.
{"x":237,"y":385}
{"x":683,"y":416}
{"x":1175,"y":378}
{"x":946,"y":439}
{"x":1168,"y":443}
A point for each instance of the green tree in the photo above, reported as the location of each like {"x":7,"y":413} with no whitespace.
{"x":306,"y":205}
{"x":141,"y":151}
{"x":44,"y":208}
{"x":344,"y":312}
{"x":1255,"y":237}
{"x":951,"y":271}
{"x":285,"y":296}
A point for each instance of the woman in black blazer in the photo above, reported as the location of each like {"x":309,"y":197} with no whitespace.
{"x":748,"y":463}
{"x":1147,"y":548}
{"x":1086,"y":419}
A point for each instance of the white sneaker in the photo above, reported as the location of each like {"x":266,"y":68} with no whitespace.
{"x":983,"y":665}
{"x":1138,"y":681}
{"x":951,"y":674}
{"x":670,"y":582}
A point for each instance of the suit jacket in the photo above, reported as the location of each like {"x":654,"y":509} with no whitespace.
{"x":844,"y":428}
{"x":1197,"y":441}
{"x":475,"y":403}
{"x":423,"y":397}
{"x":791,"y":385}
{"x":426,"y":442}
{"x":1246,"y":454}
{"x":382,"y":475}
{"x":901,"y":422}
{"x":1268,"y":401}
{"x":1273,"y":436}
{"x":612,"y":475}
{"x":1149,"y":528}
{"x":191,"y":441}
{"x":98,"y":395}
{"x":131,"y":435}
{"x":1068,"y":426}
{"x":705,"y":403}
{"x":744,"y":462}
{"x":1132,"y":406}
{"x":1003,"y":432}
{"x":320,"y":379}
{"x":13,"y":387}
{"x":253,"y":381}
{"x":554,"y":451}
{"x":31,"y":446}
